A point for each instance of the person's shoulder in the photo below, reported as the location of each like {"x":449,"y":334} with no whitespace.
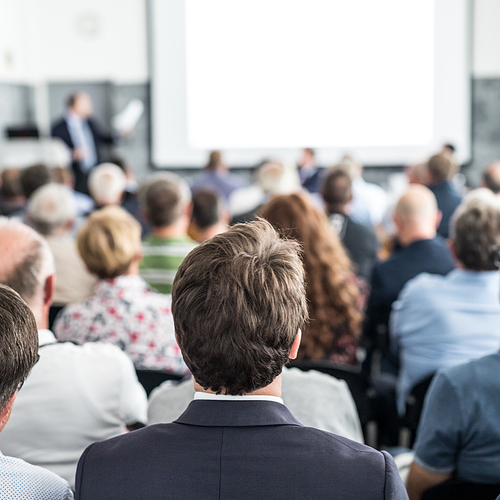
{"x":59,"y":125}
{"x":423,"y":284}
{"x":23,"y":480}
{"x":294,"y":376}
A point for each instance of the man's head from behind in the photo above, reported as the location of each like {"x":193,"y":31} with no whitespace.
{"x":18,"y":347}
{"x":475,"y":231}
{"x":34,"y":177}
{"x":209,"y":214}
{"x":439,"y":168}
{"x":416,"y":215}
{"x":27,"y":266}
{"x":491,"y":177}
{"x":107,"y":183}
{"x":337,"y":190}
{"x":165,"y":199}
{"x":238,"y":302}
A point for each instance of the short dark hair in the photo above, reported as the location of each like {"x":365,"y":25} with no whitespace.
{"x":337,"y":189}
{"x":34,"y":177}
{"x":18,"y":343}
{"x":490,"y":182}
{"x":439,"y":168}
{"x":71,"y":99}
{"x":162,"y":201}
{"x":475,"y":230}
{"x":10,"y":186}
{"x":238,"y":301}
{"x":207,"y":208}
{"x":214,"y":161}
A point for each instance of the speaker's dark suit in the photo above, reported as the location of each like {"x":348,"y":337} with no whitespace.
{"x":60,"y":129}
{"x":235,"y":450}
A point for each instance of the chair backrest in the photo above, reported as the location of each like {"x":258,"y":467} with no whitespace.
{"x":150,"y":379}
{"x":357,"y":381}
{"x":456,"y":489}
{"x":415,"y":405}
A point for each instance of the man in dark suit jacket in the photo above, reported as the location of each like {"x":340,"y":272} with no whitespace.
{"x":416,"y":218}
{"x":360,"y":241}
{"x":309,"y":172}
{"x":238,"y":303}
{"x":82,"y":135}
{"x":439,"y":169}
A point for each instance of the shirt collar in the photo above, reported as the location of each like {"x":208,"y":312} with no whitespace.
{"x":45,"y":337}
{"x":224,"y":397}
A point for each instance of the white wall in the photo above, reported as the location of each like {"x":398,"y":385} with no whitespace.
{"x":73,"y":40}
{"x":486,"y":36}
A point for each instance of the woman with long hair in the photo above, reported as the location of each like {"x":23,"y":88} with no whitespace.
{"x":334,"y":297}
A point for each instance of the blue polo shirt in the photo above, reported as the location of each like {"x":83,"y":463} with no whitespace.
{"x":459,"y":430}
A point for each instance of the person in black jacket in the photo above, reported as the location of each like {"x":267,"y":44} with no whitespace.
{"x":360,"y":241}
{"x":83,"y":136}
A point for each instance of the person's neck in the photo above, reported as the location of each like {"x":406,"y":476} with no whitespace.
{"x":212,"y":231}
{"x":338,"y":209}
{"x":176,"y":230}
{"x":273,"y":389}
{"x":407,"y":238}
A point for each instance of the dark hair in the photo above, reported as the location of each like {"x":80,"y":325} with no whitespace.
{"x":163,"y":202}
{"x":450,"y":146}
{"x":207,"y":208}
{"x":18,"y":343}
{"x":34,"y":177}
{"x":491,"y":181}
{"x":332,"y":295}
{"x":439,"y":168}
{"x":337,"y":189}
{"x":475,"y":231}
{"x":214,"y":161}
{"x":238,"y":302}
{"x":71,"y":99}
{"x":11,"y":186}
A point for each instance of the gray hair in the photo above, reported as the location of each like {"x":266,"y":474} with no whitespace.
{"x":475,"y":230}
{"x":51,"y":208}
{"x":107,"y":183}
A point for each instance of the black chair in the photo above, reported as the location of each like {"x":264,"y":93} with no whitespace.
{"x":150,"y":379}
{"x":414,"y":407}
{"x":456,"y":489}
{"x":357,"y":381}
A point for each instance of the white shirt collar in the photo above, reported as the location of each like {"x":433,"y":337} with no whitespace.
{"x":45,"y":337}
{"x":224,"y":397}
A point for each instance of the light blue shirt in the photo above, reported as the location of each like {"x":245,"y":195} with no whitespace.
{"x":20,"y":480}
{"x":82,"y":138}
{"x":442,"y":321}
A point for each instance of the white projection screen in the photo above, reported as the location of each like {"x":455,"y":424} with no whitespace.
{"x":387,"y":81}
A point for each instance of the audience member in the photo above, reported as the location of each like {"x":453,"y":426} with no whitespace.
{"x":12,"y":200}
{"x":107,"y":184}
{"x":439,"y":171}
{"x":309,"y":171}
{"x":52,"y":213}
{"x":491,"y":177}
{"x":18,"y":354}
{"x":82,"y":135}
{"x":166,"y":202}
{"x":360,"y":241}
{"x":438,"y":321}
{"x":237,"y":439}
{"x":315,"y":399}
{"x":84,"y":203}
{"x":369,"y":201}
{"x":32,"y":178}
{"x":209,"y":216}
{"x":122,"y":310}
{"x":416,"y":218}
{"x":218,"y":178}
{"x":458,"y":436}
{"x":75,"y":395}
{"x":334,"y":299}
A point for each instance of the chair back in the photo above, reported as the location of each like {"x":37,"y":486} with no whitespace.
{"x":456,"y":489}
{"x":150,"y":379}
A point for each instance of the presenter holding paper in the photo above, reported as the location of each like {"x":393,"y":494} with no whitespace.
{"x":83,"y":136}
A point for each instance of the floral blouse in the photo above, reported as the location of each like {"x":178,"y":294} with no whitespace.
{"x":124,"y":311}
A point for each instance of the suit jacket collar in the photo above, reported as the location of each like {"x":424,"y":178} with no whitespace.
{"x":236,"y":414}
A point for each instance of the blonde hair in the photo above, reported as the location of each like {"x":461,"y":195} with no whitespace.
{"x":109,"y":241}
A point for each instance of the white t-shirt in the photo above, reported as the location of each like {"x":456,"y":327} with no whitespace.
{"x":74,"y":396}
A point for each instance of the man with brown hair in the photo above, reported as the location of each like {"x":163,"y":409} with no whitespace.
{"x":439,"y":171}
{"x":239,"y":304}
{"x":166,"y":203}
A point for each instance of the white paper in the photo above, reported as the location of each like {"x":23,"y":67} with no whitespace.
{"x":127,"y":119}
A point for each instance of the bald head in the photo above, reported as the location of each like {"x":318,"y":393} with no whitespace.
{"x":416,"y":215}
{"x":491,"y":177}
{"x":26,"y":262}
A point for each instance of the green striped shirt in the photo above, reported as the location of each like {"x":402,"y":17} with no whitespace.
{"x":162,"y":257}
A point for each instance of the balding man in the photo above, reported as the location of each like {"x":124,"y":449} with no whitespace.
{"x":491,"y":177}
{"x":107,"y":184}
{"x":416,"y":218}
{"x":439,"y":322}
{"x":75,"y":395}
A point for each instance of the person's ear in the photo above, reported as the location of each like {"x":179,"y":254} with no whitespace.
{"x":295,"y":346}
{"x":439,"y":217}
{"x":6,"y":411}
{"x":451,"y":247}
{"x":48,"y":290}
{"x":397,"y":221}
{"x":188,"y":211}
